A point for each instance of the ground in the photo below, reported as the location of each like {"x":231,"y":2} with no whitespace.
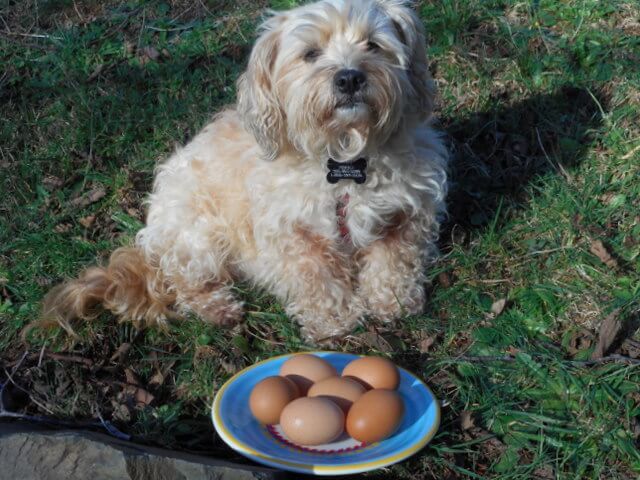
{"x":540,"y":270}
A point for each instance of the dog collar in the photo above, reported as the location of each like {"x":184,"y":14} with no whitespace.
{"x":355,"y":170}
{"x":341,"y":214}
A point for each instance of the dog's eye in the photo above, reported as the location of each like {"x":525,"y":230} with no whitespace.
{"x":373,"y":46}
{"x":311,"y":55}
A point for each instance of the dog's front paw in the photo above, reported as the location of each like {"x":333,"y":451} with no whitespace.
{"x":227,"y":315}
{"x":329,"y":327}
{"x":387,"y":304}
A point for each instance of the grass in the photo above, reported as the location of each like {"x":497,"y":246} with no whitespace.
{"x":540,"y":103}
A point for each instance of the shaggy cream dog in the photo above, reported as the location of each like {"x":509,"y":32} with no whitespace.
{"x":269,"y":191}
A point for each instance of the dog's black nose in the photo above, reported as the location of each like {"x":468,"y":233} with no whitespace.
{"x":349,"y":81}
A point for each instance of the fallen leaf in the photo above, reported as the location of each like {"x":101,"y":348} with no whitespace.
{"x":609,"y":330}
{"x":444,"y":279}
{"x":121,"y":353}
{"x":498,"y":306}
{"x":52,"y":182}
{"x":395,"y":341}
{"x":513,"y":351}
{"x":121,"y":412}
{"x":148,"y":54}
{"x":544,"y":472}
{"x":461,"y":340}
{"x":62,"y":228}
{"x":230,"y":368}
{"x":635,"y":428}
{"x":142,"y":397}
{"x":42,"y":281}
{"x":134,"y":212}
{"x":466,"y":420}
{"x":153,"y":357}
{"x":600,"y":251}
{"x":426,"y":342}
{"x":606,"y":197}
{"x":204,"y":352}
{"x":92,"y":196}
{"x":132,"y":378}
{"x":87,"y":221}
{"x":157,"y":379}
{"x":374,"y":341}
{"x":493,"y":447}
{"x":631,"y":348}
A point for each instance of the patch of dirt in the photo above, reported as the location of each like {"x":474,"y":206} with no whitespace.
{"x":101,"y":379}
{"x":24,"y":16}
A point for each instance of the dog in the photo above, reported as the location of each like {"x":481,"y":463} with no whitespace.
{"x":324,"y":186}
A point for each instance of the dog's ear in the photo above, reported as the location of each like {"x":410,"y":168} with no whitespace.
{"x":411,"y":32}
{"x":257,"y":102}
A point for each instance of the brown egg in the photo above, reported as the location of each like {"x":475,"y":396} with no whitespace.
{"x":341,"y":391}
{"x":269,"y":397}
{"x":375,"y":416}
{"x":305,"y":370}
{"x":373,"y":372}
{"x":312,"y":421}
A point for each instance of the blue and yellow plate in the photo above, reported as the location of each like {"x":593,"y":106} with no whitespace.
{"x":268,"y":444}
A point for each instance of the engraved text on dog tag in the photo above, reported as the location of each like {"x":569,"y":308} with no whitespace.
{"x":355,"y":170}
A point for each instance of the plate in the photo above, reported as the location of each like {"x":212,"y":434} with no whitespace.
{"x":268,"y":445}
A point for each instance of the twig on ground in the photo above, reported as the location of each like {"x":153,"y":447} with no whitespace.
{"x":17,"y":41}
{"x":630,"y":153}
{"x":205,"y":7}
{"x":19,"y":362}
{"x":510,"y":358}
{"x":42,"y":350}
{"x":69,"y":358}
{"x":32,"y":35}
{"x":56,"y":356}
{"x":175,"y":29}
{"x":498,"y":280}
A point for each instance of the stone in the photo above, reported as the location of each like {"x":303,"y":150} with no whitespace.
{"x":38,"y":454}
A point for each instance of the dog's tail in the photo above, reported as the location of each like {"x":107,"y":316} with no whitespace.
{"x":128,"y":286}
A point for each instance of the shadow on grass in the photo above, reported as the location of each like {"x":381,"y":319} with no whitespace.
{"x":498,"y":153}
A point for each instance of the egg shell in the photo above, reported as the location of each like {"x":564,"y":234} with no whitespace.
{"x":269,"y":397}
{"x":340,"y":390}
{"x":305,"y":370}
{"x":375,"y":415}
{"x":373,"y":372}
{"x":312,"y":421}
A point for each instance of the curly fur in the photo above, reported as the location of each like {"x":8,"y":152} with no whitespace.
{"x":247,"y":197}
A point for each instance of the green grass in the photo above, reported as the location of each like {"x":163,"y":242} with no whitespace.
{"x":540,"y":101}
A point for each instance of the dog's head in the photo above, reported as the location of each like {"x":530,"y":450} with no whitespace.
{"x":335,"y":78}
